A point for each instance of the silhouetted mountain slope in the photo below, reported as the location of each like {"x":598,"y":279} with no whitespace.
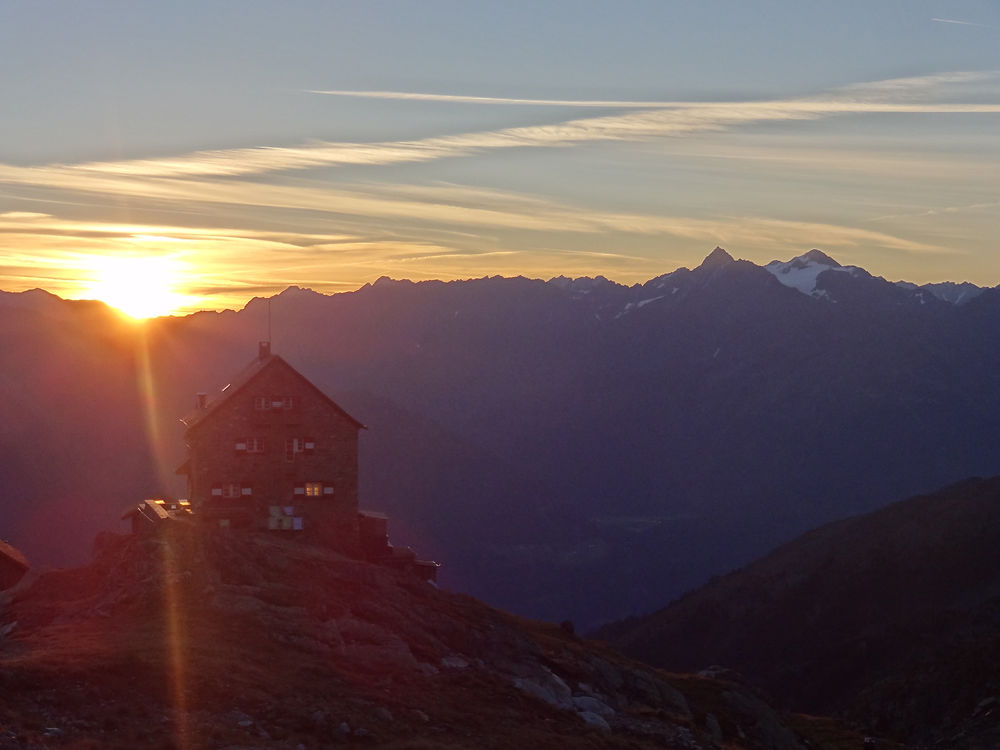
{"x":892,"y":617}
{"x":597,"y":448}
{"x":197,"y":638}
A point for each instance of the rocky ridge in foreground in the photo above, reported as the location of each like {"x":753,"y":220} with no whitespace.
{"x":192,"y":638}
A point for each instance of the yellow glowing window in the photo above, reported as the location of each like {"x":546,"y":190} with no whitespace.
{"x":314,"y":489}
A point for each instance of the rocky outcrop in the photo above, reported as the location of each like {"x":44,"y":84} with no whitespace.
{"x":248,"y":640}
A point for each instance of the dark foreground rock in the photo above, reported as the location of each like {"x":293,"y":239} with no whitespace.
{"x":196,"y":639}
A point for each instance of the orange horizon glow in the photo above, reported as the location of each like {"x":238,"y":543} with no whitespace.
{"x":140,"y":286}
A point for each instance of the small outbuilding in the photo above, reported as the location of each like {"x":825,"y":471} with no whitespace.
{"x":148,"y":514}
{"x":13,"y":565}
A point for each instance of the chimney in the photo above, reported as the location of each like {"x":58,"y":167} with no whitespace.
{"x":263,"y":349}
{"x":202,"y":398}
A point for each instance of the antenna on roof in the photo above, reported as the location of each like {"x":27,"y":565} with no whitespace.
{"x":264,"y":347}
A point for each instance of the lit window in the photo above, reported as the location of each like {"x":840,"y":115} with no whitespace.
{"x":314,"y":489}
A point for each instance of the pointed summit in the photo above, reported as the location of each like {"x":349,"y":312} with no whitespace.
{"x":717,"y":259}
{"x":818,"y":256}
{"x":803,"y":272}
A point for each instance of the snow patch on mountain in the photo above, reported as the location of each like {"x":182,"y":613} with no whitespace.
{"x":948,"y":291}
{"x":803,"y":272}
{"x":644,"y":302}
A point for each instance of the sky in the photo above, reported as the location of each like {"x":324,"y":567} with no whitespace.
{"x":170,"y":157}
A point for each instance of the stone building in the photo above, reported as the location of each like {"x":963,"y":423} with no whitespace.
{"x":272,"y":451}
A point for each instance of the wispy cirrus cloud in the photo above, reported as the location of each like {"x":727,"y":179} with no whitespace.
{"x":460,"y":99}
{"x":449,"y":205}
{"x":957,"y":22}
{"x":654,"y":120}
{"x":344,"y":234}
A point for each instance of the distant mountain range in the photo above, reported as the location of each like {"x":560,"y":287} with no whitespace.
{"x":891,"y":617}
{"x":569,"y":449}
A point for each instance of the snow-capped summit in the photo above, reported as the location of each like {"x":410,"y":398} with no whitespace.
{"x":817,"y":256}
{"x":803,"y":272}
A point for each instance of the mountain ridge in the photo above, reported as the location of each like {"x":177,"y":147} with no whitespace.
{"x":592,"y":425}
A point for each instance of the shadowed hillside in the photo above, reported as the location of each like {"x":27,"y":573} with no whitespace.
{"x":892,"y":618}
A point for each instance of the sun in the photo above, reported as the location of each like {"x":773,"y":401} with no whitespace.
{"x":141,"y":286}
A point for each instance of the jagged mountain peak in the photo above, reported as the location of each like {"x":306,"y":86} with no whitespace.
{"x":582,"y":284}
{"x":718,"y":258}
{"x":818,"y":256}
{"x":956,"y":293}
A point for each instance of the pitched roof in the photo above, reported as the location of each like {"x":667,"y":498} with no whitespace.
{"x":12,"y":553}
{"x":243,"y":379}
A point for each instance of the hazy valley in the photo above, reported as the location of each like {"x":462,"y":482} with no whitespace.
{"x":570,"y":449}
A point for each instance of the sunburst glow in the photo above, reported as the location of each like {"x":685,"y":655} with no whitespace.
{"x":141,"y":286}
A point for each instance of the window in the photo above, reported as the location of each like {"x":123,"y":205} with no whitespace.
{"x":267,"y":403}
{"x":296,"y":445}
{"x":314,"y":489}
{"x":232,"y":490}
{"x":250,"y":445}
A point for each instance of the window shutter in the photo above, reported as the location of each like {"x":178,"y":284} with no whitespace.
{"x":300,"y":489}
{"x":310,"y":444}
{"x":327,"y":489}
{"x":246,"y":490}
{"x":217,"y":490}
{"x":241,"y":445}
